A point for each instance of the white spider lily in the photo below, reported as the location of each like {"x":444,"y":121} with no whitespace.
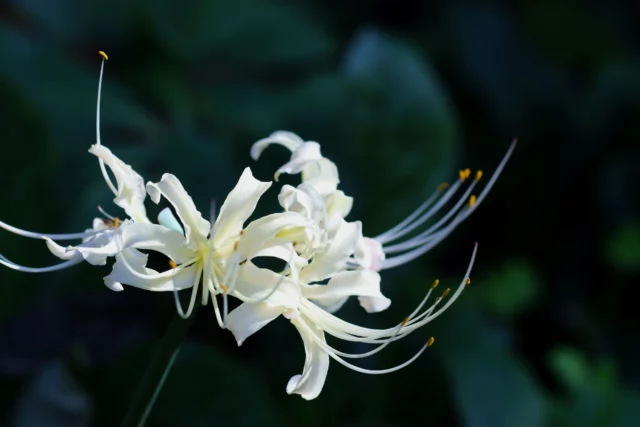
{"x":294,"y":298}
{"x":98,"y":242}
{"x":375,"y":253}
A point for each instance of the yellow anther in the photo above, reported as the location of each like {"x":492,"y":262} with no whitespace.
{"x":431,"y":341}
{"x":478,"y":175}
{"x":104,"y":55}
{"x":116,"y":222}
{"x":235,"y":245}
{"x":446,"y":292}
{"x":443,"y":186}
{"x":472,"y":200}
{"x":464,"y":174}
{"x":468,"y":280}
{"x":435,"y":284}
{"x":172,"y":264}
{"x":405,"y":321}
{"x":224,"y":288}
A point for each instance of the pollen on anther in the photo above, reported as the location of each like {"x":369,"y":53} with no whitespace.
{"x":468,"y":280}
{"x":446,"y":292}
{"x":235,"y":245}
{"x":472,"y":200}
{"x":435,"y":284}
{"x":224,"y":288}
{"x":464,"y":174}
{"x":172,"y":264}
{"x":405,"y":321}
{"x":478,"y":175}
{"x":116,"y":222}
{"x":443,"y":186}
{"x":431,"y":341}
{"x":104,"y":55}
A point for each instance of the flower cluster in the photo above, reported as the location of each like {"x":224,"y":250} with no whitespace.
{"x":327,"y":259}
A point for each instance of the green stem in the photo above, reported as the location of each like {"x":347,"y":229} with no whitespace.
{"x":157,"y":372}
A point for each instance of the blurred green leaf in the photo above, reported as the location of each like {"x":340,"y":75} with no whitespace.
{"x":623,"y":248}
{"x":571,"y":368}
{"x":511,"y":289}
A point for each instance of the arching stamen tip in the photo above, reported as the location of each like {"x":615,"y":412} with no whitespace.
{"x":446,"y":292}
{"x":172,"y":264}
{"x":104,"y":55}
{"x":478,"y":175}
{"x":464,"y":174}
{"x":472,"y":200}
{"x":443,"y":186}
{"x":224,"y":288}
{"x":468,"y":280}
{"x":405,"y":321}
{"x":435,"y":284}
{"x":430,"y":342}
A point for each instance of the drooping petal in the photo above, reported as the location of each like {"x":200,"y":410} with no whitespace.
{"x":130,"y":269}
{"x":304,"y":200}
{"x":374,"y":304}
{"x":288,"y":140}
{"x":131,"y":192}
{"x":316,"y":366}
{"x":238,"y":206}
{"x":335,"y":257}
{"x":157,"y":238}
{"x":247,"y":319}
{"x":196,"y":227}
{"x":337,"y":203}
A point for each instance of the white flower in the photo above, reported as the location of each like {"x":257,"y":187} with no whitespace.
{"x":297,"y":298}
{"x":378,"y":253}
{"x":98,"y":242}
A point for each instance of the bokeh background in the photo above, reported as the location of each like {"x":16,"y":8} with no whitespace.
{"x":401,"y":94}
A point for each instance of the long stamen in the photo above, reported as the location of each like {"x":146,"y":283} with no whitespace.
{"x":164,"y":274}
{"x":63,"y":265}
{"x":426,"y":235}
{"x":35,"y":235}
{"x":407,"y":226}
{"x":213,"y":286}
{"x":106,"y":176}
{"x":343,"y":362}
{"x":192,"y":302}
{"x":103,"y":212}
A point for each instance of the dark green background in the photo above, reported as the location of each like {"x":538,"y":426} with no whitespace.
{"x":401,"y":95}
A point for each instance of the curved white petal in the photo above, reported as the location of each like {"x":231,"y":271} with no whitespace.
{"x":316,"y":366}
{"x":95,"y":250}
{"x":344,"y":284}
{"x":335,"y":257}
{"x":322,"y":174}
{"x":196,"y":227}
{"x":238,"y":206}
{"x":284,"y":250}
{"x":369,"y":254}
{"x":247,"y":319}
{"x":304,"y":200}
{"x":131,"y":192}
{"x":332,"y":305}
{"x":262,"y":230}
{"x":287,"y":139}
{"x":177,"y":278}
{"x":256,"y":283}
{"x":374,"y":304}
{"x":338,"y":204}
{"x":157,"y":238}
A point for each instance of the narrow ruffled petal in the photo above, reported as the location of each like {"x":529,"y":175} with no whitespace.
{"x":264,"y":229}
{"x":196,"y":227}
{"x":247,"y":319}
{"x":238,"y":206}
{"x":374,"y":304}
{"x":131,"y":191}
{"x":289,"y":140}
{"x":304,"y":200}
{"x":157,"y":238}
{"x":369,"y":254}
{"x":95,"y":250}
{"x":335,"y":257}
{"x":130,"y":269}
{"x":316,"y":366}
